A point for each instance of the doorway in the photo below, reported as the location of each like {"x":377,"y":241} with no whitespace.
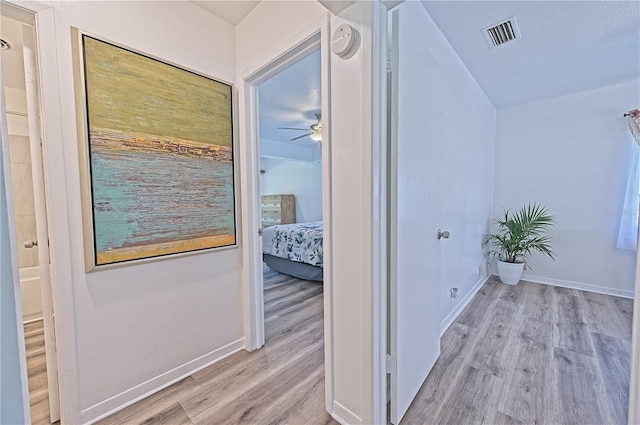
{"x":290,"y":139}
{"x":314,"y":41}
{"x":30,"y":215}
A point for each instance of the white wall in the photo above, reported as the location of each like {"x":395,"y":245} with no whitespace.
{"x":271,"y":26}
{"x":127,"y":331}
{"x":275,"y":149}
{"x":358,"y":146}
{"x":568,"y":153}
{"x":302,"y":179}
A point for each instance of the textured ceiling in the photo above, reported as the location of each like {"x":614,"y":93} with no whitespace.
{"x":12,"y":63}
{"x":290,"y":99}
{"x":566,"y":46}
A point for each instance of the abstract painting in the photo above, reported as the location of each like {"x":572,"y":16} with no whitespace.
{"x":160,"y":156}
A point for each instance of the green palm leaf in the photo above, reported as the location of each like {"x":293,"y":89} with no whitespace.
{"x":522,"y":233}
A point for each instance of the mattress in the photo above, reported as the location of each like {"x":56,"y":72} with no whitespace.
{"x":301,"y":242}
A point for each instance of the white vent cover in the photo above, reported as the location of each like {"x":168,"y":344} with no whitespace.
{"x":503,"y":32}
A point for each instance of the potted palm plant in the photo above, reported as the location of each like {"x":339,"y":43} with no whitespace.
{"x":520,"y":234}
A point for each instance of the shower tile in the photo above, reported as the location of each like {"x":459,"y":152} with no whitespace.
{"x":21,"y":181}
{"x":19,"y":150}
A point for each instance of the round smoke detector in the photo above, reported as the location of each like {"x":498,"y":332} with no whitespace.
{"x":4,"y":44}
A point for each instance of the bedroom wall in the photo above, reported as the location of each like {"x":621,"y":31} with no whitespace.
{"x":302,"y":179}
{"x":181,"y":313}
{"x":569,"y":153}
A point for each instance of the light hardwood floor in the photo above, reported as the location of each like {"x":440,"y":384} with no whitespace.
{"x":528,"y":354}
{"x":281,"y":383}
{"x":531,"y":354}
{"x":37,"y":372}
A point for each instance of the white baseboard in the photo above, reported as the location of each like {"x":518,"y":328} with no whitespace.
{"x":453,"y":315}
{"x":579,"y":285}
{"x":160,"y":382}
{"x":343,"y":415}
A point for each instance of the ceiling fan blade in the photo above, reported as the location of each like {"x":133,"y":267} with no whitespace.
{"x":299,"y":137}
{"x":291,"y":128}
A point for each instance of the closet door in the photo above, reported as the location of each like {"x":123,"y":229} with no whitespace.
{"x":415,"y":269}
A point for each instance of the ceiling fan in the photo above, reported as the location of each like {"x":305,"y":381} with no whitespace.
{"x":314,"y":130}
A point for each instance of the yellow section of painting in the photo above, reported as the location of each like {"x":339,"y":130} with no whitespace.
{"x":155,"y":250}
{"x":131,"y":92}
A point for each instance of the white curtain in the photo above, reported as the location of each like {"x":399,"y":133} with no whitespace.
{"x":634,"y":124}
{"x":628,"y":231}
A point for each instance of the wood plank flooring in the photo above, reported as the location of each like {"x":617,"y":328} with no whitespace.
{"x":37,"y":372}
{"x":281,"y":383}
{"x":531,"y":354}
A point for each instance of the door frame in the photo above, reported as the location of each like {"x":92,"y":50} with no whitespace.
{"x":34,"y":108}
{"x":42,"y":218}
{"x":314,"y":37}
{"x":59,"y":241}
{"x":634,"y":361}
{"x":15,"y":340}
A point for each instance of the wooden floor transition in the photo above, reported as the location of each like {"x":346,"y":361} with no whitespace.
{"x":531,"y":354}
{"x":281,"y":383}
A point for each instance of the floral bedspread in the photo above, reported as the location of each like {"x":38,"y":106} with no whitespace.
{"x":301,"y":242}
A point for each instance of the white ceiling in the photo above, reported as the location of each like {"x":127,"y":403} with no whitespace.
{"x":566,"y":46}
{"x":231,"y":11}
{"x":234,"y":11}
{"x":12,"y":63}
{"x":290,"y":99}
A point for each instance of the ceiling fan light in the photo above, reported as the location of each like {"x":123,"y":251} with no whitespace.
{"x":316,"y":137}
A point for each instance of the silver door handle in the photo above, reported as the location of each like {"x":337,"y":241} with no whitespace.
{"x":443,"y":234}
{"x":30,"y":244}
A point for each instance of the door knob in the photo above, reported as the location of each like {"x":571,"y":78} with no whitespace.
{"x":443,"y":234}
{"x":30,"y":244}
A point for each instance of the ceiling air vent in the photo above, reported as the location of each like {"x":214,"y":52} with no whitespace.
{"x":502,"y":32}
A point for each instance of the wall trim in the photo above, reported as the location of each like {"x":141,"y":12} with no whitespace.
{"x":132,"y":395}
{"x":625,"y":293}
{"x":343,"y":415}
{"x":453,"y":315}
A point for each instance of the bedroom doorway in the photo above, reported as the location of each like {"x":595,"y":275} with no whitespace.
{"x":287,"y":182}
{"x":290,"y":146}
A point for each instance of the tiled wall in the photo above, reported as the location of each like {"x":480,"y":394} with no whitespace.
{"x":20,"y":157}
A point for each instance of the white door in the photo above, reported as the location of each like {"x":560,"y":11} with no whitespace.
{"x":415,"y":268}
{"x":42,"y":231}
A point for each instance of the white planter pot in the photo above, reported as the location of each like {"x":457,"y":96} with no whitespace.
{"x":510,"y":273}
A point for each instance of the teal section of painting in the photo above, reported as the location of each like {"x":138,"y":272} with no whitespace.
{"x":161,"y":158}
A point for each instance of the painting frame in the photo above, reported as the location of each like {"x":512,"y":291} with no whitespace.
{"x":225,"y":155}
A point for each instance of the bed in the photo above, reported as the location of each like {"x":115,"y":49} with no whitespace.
{"x":294,"y":249}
